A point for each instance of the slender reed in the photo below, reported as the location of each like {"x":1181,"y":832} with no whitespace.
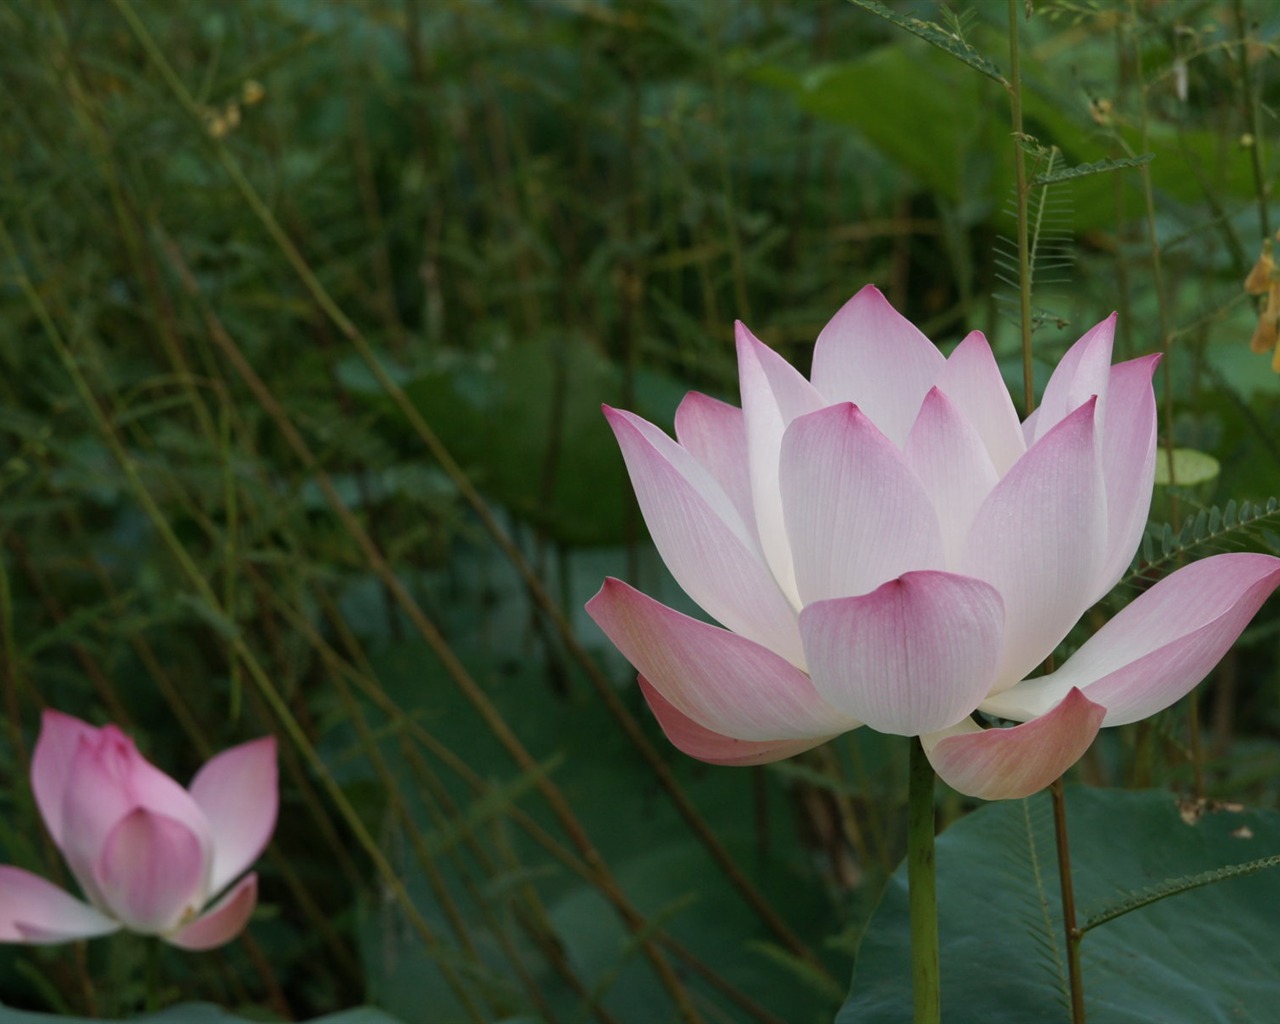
{"x":922,"y":889}
{"x":1061,"y":836}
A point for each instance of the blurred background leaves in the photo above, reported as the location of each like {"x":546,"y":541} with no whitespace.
{"x":513,"y":212}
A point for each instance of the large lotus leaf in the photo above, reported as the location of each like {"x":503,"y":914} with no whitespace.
{"x":941,"y":122}
{"x":1206,"y":955}
{"x":526,"y":425}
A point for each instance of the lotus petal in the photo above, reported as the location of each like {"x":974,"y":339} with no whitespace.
{"x":223,"y":921}
{"x":913,"y":656}
{"x":238,"y":791}
{"x":972,"y":380}
{"x":871,"y":355}
{"x":36,"y":911}
{"x":1158,"y":647}
{"x":702,"y":539}
{"x":1040,"y":539}
{"x":689,"y":737}
{"x":1128,"y":463}
{"x":951,"y":460}
{"x":151,"y":872}
{"x":1083,"y":373}
{"x":773,"y":394}
{"x":715,"y":433}
{"x":1008,"y":764}
{"x":856,"y":514}
{"x":724,"y":682}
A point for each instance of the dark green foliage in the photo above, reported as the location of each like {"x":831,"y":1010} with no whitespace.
{"x":1200,"y":954}
{"x":520,"y":211}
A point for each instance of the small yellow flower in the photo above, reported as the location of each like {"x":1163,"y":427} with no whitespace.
{"x":1263,"y":280}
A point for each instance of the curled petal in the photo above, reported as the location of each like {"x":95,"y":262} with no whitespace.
{"x":36,"y":911}
{"x":1083,"y":373}
{"x":1007,"y":764}
{"x":1157,"y":648}
{"x":972,"y":380}
{"x":913,"y":656}
{"x":1046,"y":565}
{"x":151,"y":872}
{"x":239,"y":793}
{"x":856,"y":514}
{"x":722,"y":681}
{"x":689,"y":737}
{"x":773,"y":394}
{"x":223,"y":921}
{"x":871,"y":355}
{"x":702,"y":539}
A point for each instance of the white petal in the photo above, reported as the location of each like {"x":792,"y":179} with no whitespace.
{"x":1040,"y":539}
{"x":773,"y":394}
{"x":871,"y":355}
{"x":1128,"y":463}
{"x":715,"y":433}
{"x":239,"y":792}
{"x":856,"y":515}
{"x":948,"y":455}
{"x":703,"y":540}
{"x":1083,"y":373}
{"x":972,"y":380}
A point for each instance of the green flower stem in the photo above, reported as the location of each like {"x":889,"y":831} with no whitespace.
{"x":922,"y":882}
{"x":153,"y":973}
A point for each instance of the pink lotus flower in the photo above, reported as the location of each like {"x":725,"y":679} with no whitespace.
{"x":888,"y":545}
{"x":148,"y":854}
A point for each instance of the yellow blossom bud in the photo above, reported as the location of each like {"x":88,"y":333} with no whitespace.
{"x":1259,"y":279}
{"x":1264,"y":335}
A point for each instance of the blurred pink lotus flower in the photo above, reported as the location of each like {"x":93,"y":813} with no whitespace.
{"x":888,"y":545}
{"x":148,"y":854}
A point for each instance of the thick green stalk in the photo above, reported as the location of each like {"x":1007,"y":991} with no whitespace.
{"x":922,"y":881}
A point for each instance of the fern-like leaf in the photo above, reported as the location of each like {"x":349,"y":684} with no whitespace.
{"x":1210,"y":528}
{"x":1097,"y":167}
{"x":934,"y":34}
{"x":1138,"y":899}
{"x":1051,"y":246}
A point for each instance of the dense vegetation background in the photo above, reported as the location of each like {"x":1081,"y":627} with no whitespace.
{"x":307,"y":308}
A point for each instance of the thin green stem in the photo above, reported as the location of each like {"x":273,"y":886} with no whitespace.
{"x":1251,"y":117}
{"x":1020,"y":183}
{"x":153,"y":974}
{"x":1166,"y":361}
{"x":1073,"y":932}
{"x":922,"y":882}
